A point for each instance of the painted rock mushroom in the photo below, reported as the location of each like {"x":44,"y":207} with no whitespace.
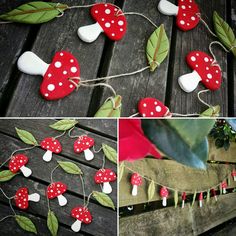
{"x":204,"y":69}
{"x":164,"y":193}
{"x":82,"y":144}
{"x":151,"y":107}
{"x":109,"y":19}
{"x":136,"y":180}
{"x":213,"y":192}
{"x":82,"y":215}
{"x":224,"y":186}
{"x":56,"y":83}
{"x":234,"y":175}
{"x":105,"y":176}
{"x":18,"y":162}
{"x":52,"y":145}
{"x":22,"y":198}
{"x":187,"y":13}
{"x":183,"y":199}
{"x":55,"y":190}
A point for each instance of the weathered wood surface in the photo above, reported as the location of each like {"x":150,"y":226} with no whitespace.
{"x":40,"y":177}
{"x":178,"y":221}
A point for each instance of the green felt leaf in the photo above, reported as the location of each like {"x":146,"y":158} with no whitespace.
{"x":26,"y":224}
{"x":103,"y":199}
{"x":194,"y":197}
{"x":183,"y":140}
{"x":26,"y":137}
{"x":70,"y":167}
{"x":232,"y":123}
{"x":110,"y":153}
{"x":34,"y":12}
{"x":6,"y":175}
{"x":211,"y":112}
{"x":52,"y":223}
{"x":108,"y":109}
{"x":229,"y":180}
{"x":157,"y":47}
{"x":176,"y":198}
{"x":208,"y":196}
{"x":121,"y":171}
{"x":224,"y":32}
{"x":151,"y":190}
{"x":64,"y":125}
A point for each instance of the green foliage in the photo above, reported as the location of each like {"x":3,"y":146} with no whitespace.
{"x":151,"y":190}
{"x":64,"y":125}
{"x":26,"y":137}
{"x":26,"y":224}
{"x":103,"y":199}
{"x":110,"y":153}
{"x":52,"y":223}
{"x":121,"y":171}
{"x":6,"y":175}
{"x":70,"y":167}
{"x":211,"y":112}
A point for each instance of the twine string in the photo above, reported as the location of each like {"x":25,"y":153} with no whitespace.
{"x":88,"y":199}
{"x":135,"y":114}
{"x":201,"y":100}
{"x":97,"y":151}
{"x":5,"y":195}
{"x":103,"y":162}
{"x":60,"y":135}
{"x":113,"y":103}
{"x":205,"y":24}
{"x":6,"y":217}
{"x":52,"y":173}
{"x":83,"y":188}
{"x":74,"y":136}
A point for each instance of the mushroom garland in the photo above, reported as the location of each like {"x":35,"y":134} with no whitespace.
{"x":136,"y":180}
{"x":56,"y":76}
{"x":22,"y":198}
{"x":105,"y":176}
{"x":187,"y":13}
{"x":82,"y":215}
{"x":183,"y":199}
{"x":234,"y":175}
{"x":164,"y":193}
{"x":205,"y":69}
{"x":213,"y":192}
{"x":224,"y":186}
{"x":17,"y":163}
{"x":109,"y":19}
{"x":82,"y":144}
{"x":200,"y":198}
{"x":55,"y":190}
{"x":52,"y":145}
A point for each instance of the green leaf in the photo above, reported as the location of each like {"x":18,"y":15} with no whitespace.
{"x":26,"y":137}
{"x":229,"y":180}
{"x":52,"y":223}
{"x":208,"y":196}
{"x":176,"y":198}
{"x":121,"y":171}
{"x":157,"y":47}
{"x":34,"y":12}
{"x":184,"y":140}
{"x":110,"y":108}
{"x":211,"y":112}
{"x":6,"y":175}
{"x":64,"y":125}
{"x":103,"y":199}
{"x":224,"y":33}
{"x":110,"y":153}
{"x":70,"y":167}
{"x":26,"y":224}
{"x":151,"y":190}
{"x":194,"y":197}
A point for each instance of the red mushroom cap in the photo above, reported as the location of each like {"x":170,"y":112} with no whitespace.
{"x":111,"y":19}
{"x":233,"y":173}
{"x":56,"y":83}
{"x":56,"y":189}
{"x":17,"y":162}
{"x":82,"y":214}
{"x":136,"y":179}
{"x":21,"y":198}
{"x":224,"y":184}
{"x":213,"y":191}
{"x":184,"y":196}
{"x":104,"y":175}
{"x":200,"y":197}
{"x":151,"y":107}
{"x":187,"y":17}
{"x":51,"y":144}
{"x":208,"y":70}
{"x":164,"y":192}
{"x":83,"y":143}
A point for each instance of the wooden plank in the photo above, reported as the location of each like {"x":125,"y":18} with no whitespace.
{"x":129,"y":55}
{"x":229,"y":229}
{"x":198,"y":39}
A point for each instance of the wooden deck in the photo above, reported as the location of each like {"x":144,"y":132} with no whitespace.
{"x":19,"y":93}
{"x":104,"y":219}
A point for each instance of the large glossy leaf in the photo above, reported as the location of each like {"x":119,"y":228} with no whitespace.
{"x":211,"y":112}
{"x":110,"y":153}
{"x":182,"y":140}
{"x":26,"y":137}
{"x":70,"y":167}
{"x":103,"y":199}
{"x":151,"y":190}
{"x":63,"y":125}
{"x":34,"y":12}
{"x":157,"y":47}
{"x":52,"y":223}
{"x":232,"y":123}
{"x":26,"y":224}
{"x":6,"y":175}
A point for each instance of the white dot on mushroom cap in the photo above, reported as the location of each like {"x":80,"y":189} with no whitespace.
{"x":64,"y":72}
{"x":71,"y":86}
{"x":112,"y":34}
{"x":158,"y":108}
{"x":197,"y":54}
{"x":196,"y":65}
{"x":193,"y":18}
{"x":144,"y":114}
{"x":102,"y":19}
{"x":144,"y":104}
{"x":105,"y":5}
{"x":121,"y":29}
{"x":184,"y":14}
{"x":73,"y":69}
{"x":107,"y":25}
{"x":57,"y":64}
{"x":151,"y":113}
{"x":46,"y":94}
{"x":183,"y":7}
{"x":120,"y":22}
{"x":61,"y":54}
{"x":209,"y":76}
{"x":206,"y":59}
{"x":193,"y":58}
{"x":207,"y":68}
{"x":112,"y":21}
{"x":189,"y":6}
{"x":182,"y":22}
{"x":188,"y":24}
{"x":207,"y":80}
{"x":49,"y":75}
{"x":107,"y":11}
{"x":57,"y":150}
{"x":217,"y":71}
{"x":217,"y":82}
{"x":96,"y":11}
{"x":51,"y":87}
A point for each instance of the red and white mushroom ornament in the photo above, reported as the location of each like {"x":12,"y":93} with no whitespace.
{"x":187,"y":13}
{"x":164,"y":193}
{"x":52,"y":145}
{"x":200,"y":199}
{"x":57,"y":76}
{"x":224,"y":186}
{"x":22,"y":198}
{"x":213,"y":192}
{"x":55,"y":190}
{"x":82,"y":144}
{"x":109,"y":19}
{"x":17,"y":163}
{"x":233,"y":174}
{"x":82,"y":215}
{"x":136,"y":180}
{"x":151,"y":107}
{"x":104,"y":177}
{"x":183,"y":199}
{"x":205,"y":70}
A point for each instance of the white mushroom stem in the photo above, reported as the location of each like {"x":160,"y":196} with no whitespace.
{"x":168,"y":8}
{"x":234,"y":177}
{"x":164,"y":201}
{"x":61,"y":200}
{"x":31,"y":64}
{"x":224,"y":190}
{"x":88,"y":155}
{"x":106,"y":188}
{"x":34,"y":197}
{"x":134,"y":190}
{"x":47,"y":156}
{"x":216,"y":198}
{"x":26,"y":171}
{"x":183,"y":202}
{"x":189,"y":82}
{"x":90,"y":33}
{"x":76,"y":226}
{"x":200,"y":203}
